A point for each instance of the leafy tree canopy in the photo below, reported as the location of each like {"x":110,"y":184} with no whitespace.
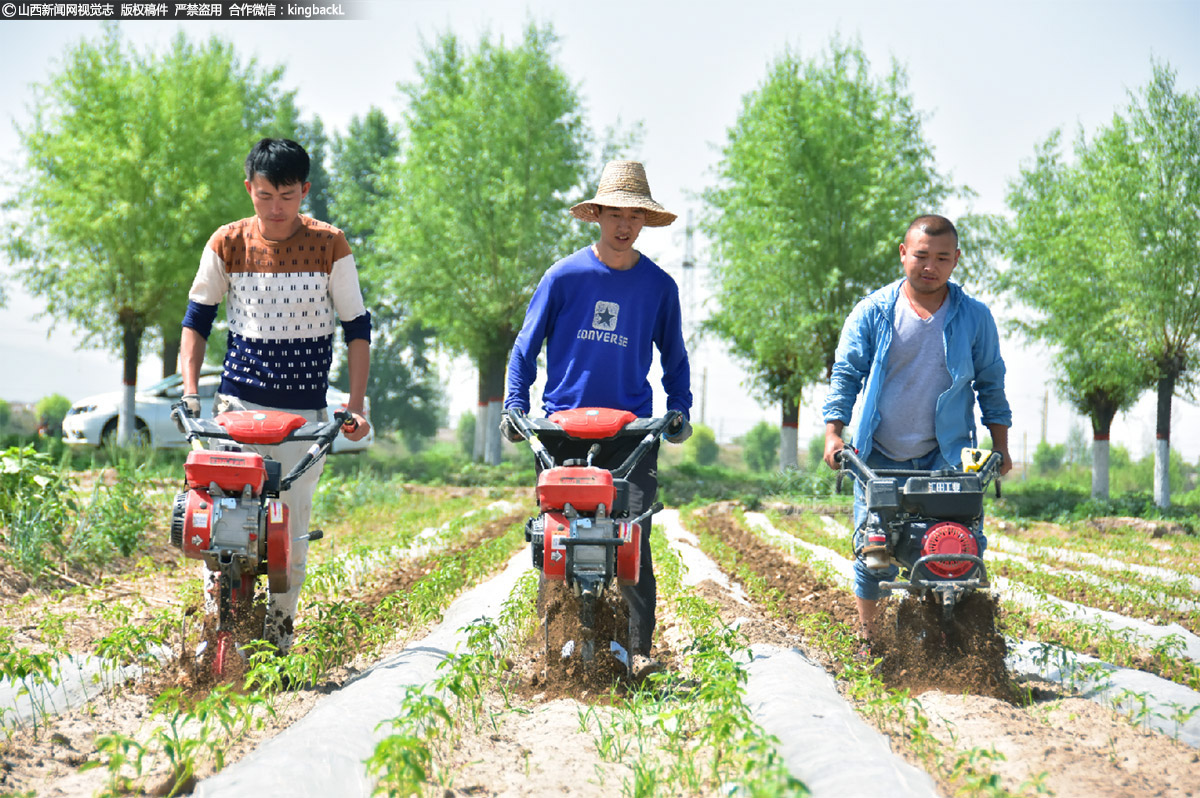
{"x":822,"y":172}
{"x":131,"y":161}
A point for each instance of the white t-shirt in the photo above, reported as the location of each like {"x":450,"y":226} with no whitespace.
{"x":913,"y":378}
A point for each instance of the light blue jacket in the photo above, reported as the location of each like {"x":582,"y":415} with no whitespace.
{"x":972,"y":358}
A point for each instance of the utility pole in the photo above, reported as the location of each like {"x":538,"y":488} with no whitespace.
{"x":687,"y":291}
{"x":1045,"y":412}
{"x":687,"y":301}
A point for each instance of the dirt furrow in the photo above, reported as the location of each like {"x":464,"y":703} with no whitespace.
{"x":1071,"y":747}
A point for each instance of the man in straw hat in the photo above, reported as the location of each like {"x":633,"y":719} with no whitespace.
{"x":601,"y":311}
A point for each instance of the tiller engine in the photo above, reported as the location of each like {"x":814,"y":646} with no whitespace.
{"x":927,"y":522}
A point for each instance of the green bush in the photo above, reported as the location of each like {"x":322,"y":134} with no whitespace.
{"x":1040,"y":499}
{"x":36,"y":505}
{"x":51,"y":410}
{"x":1048,"y":458}
{"x":760,"y":447}
{"x":688,"y":482}
{"x":816,"y":451}
{"x":115,"y":520}
{"x":701,"y":448}
{"x":466,"y":433}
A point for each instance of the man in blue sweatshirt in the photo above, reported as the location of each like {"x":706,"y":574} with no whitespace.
{"x":601,"y":311}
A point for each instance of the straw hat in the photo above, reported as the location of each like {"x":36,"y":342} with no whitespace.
{"x":623,"y":184}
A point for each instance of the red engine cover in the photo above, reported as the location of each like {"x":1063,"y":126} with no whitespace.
{"x":592,"y":422}
{"x":259,"y":426}
{"x":949,"y":538}
{"x":585,"y":487}
{"x":629,"y":554}
{"x":197,"y":524}
{"x":279,"y":548}
{"x":232,"y":471}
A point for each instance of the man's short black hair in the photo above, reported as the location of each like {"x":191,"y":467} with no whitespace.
{"x":933,"y":225}
{"x":282,"y":161}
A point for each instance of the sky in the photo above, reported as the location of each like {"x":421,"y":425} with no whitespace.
{"x":993,"y":79}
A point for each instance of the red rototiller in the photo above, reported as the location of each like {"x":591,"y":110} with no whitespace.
{"x":584,"y":535}
{"x":231,"y":516}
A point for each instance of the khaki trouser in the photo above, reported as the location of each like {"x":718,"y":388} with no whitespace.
{"x":278,"y":627}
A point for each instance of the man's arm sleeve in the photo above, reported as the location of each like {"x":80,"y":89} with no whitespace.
{"x":347,"y":294}
{"x":208,"y":289}
{"x":852,"y":364}
{"x":200,"y":317}
{"x":672,"y":350}
{"x":522,"y":363}
{"x":989,"y":374}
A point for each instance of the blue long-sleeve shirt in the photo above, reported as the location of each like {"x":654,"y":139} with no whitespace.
{"x":600,"y":327}
{"x":972,"y":358}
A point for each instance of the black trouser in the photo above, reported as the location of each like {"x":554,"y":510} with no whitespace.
{"x":643,"y":487}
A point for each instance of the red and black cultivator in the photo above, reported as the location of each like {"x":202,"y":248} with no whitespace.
{"x":585,"y":535}
{"x":231,"y":516}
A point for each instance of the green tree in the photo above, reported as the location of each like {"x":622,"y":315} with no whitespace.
{"x":822,"y":172}
{"x":1078,"y":451}
{"x":1058,"y":246}
{"x":1145,"y":165}
{"x":494,"y":153}
{"x":760,"y":447}
{"x":1048,"y":458}
{"x":465,"y":432}
{"x":51,"y":410}
{"x":311,"y":136}
{"x":131,"y":161}
{"x":1107,"y":250}
{"x":405,"y":390}
{"x":5,"y":414}
{"x":701,"y":448}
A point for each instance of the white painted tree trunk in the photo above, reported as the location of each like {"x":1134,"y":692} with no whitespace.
{"x":1100,"y":469}
{"x":127,"y":418}
{"x":491,"y":415}
{"x":480,"y":434}
{"x":788,"y":437}
{"x":1162,"y":472}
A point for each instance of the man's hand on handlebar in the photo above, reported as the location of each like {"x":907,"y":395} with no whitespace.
{"x":833,"y":445}
{"x":191,"y":404}
{"x":508,"y":429}
{"x":356,"y":428}
{"x":679,"y":430}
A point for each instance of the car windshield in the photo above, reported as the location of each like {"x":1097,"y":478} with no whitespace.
{"x":165,"y":383}
{"x":175,"y":380}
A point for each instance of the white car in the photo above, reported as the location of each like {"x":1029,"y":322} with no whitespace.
{"x":93,"y":421}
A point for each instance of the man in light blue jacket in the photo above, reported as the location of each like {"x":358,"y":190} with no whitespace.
{"x":926,"y":352}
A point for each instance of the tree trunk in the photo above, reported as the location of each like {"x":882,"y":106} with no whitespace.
{"x":170,"y":353}
{"x":1100,"y":466}
{"x":788,"y":435}
{"x":480,"y":423}
{"x":491,"y":404}
{"x":131,"y":343}
{"x":1102,"y":416}
{"x":1162,"y":448}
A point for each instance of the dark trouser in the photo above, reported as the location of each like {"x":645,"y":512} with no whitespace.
{"x":643,"y":487}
